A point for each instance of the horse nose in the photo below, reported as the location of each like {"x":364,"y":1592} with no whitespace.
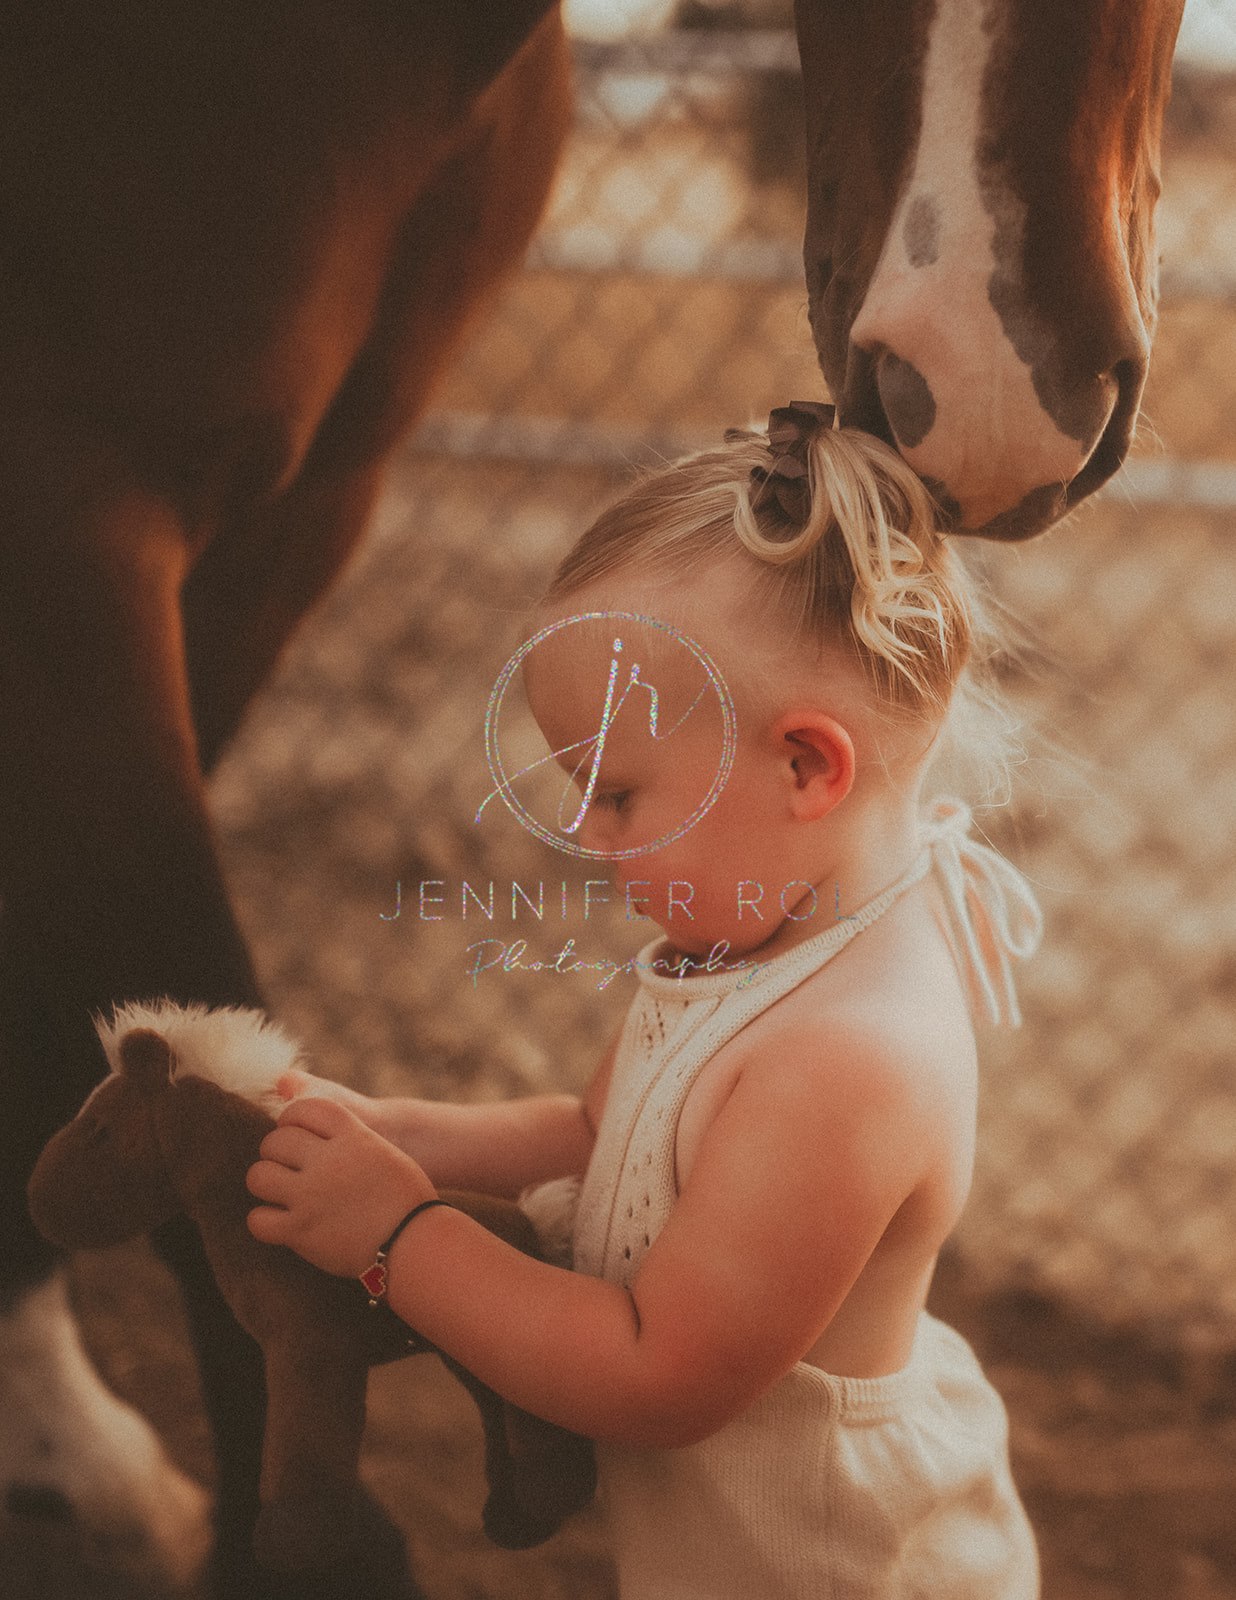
{"x":1006,"y":444}
{"x":1048,"y":438}
{"x":1009,"y":413}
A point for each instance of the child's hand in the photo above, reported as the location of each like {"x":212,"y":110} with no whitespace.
{"x":334,"y":1188}
{"x":295,"y":1084}
{"x":383,"y":1116}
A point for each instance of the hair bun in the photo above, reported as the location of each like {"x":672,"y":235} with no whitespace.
{"x":787,"y":480}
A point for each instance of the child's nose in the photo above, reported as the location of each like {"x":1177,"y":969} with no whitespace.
{"x":592,"y":832}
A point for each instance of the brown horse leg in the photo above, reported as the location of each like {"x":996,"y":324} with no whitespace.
{"x":467,"y":231}
{"x":107,"y":866}
{"x":249,"y":590}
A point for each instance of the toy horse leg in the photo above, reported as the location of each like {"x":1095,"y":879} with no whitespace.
{"x":555,"y":1470}
{"x":230,"y":1372}
{"x":538,"y":1473}
{"x":262,"y":1513}
{"x":310,"y":1504}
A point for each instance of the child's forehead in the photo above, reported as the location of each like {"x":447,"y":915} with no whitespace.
{"x":684,"y":625}
{"x":582,"y":661}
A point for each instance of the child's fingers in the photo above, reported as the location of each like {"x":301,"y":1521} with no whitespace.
{"x":267,"y":1180}
{"x":295,"y":1084}
{"x":326,"y":1118}
{"x":291,"y":1083}
{"x":268,"y":1224}
{"x":290,"y":1146}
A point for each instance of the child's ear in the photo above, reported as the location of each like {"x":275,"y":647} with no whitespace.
{"x":146,"y":1058}
{"x":817,"y":761}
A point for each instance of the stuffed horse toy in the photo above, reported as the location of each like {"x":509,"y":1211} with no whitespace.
{"x":175,"y":1127}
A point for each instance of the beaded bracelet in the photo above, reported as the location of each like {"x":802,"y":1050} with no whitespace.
{"x":375,"y":1277}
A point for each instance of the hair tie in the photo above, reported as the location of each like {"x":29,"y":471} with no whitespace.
{"x":790,"y":431}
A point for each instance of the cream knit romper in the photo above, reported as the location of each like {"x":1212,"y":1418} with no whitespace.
{"x":834,"y":1488}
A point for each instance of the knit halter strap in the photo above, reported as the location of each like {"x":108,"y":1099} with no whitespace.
{"x":974,"y":877}
{"x":992,"y":917}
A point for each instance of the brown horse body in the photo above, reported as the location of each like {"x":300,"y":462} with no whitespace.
{"x":159,"y":1137}
{"x":239,"y":244}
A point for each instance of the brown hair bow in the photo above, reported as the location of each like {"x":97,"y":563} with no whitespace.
{"x":790,"y":431}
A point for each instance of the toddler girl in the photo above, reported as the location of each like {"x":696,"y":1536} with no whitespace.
{"x":776,"y":1145}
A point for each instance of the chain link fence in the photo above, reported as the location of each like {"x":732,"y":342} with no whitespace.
{"x":661,"y":303}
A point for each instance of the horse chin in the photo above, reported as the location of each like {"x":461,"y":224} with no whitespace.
{"x":58,"y":1213}
{"x":76,"y":1232}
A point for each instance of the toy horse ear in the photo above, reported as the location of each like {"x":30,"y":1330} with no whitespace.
{"x":146,"y":1057}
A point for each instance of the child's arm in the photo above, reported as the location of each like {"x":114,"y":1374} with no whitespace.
{"x":795,"y":1182}
{"x":498,"y":1148}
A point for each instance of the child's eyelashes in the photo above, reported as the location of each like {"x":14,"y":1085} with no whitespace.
{"x":615,"y":800}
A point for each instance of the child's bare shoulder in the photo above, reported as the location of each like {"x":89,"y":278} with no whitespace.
{"x":853,"y":1076}
{"x":849,"y":1046}
{"x":868,"y":1050}
{"x":912,"y":1035}
{"x":852,"y":1057}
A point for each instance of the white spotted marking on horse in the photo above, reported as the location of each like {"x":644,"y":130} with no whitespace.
{"x":77,"y":1464}
{"x":980,"y":246}
{"x":921,"y":230}
{"x":936,"y":318}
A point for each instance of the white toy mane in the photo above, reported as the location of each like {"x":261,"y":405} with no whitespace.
{"x":239,"y":1050}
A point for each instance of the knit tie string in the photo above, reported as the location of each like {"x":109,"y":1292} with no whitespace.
{"x":973,"y":875}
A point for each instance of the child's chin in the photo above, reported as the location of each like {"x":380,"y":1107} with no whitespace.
{"x":696,"y":943}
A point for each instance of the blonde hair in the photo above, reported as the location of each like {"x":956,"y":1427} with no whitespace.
{"x":867,"y":567}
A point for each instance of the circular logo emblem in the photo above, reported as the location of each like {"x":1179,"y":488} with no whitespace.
{"x":624,"y":676}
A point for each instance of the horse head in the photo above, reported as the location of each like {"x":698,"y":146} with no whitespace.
{"x":103,"y":1178}
{"x":171,"y":1129}
{"x":980,"y":248}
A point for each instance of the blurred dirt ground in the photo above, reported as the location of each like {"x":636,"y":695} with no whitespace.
{"x":1125,"y":1459}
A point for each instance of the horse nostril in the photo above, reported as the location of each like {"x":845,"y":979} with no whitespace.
{"x":906,"y":397}
{"x":1124,"y":381}
{"x":38,"y":1501}
{"x":1128,"y":378}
